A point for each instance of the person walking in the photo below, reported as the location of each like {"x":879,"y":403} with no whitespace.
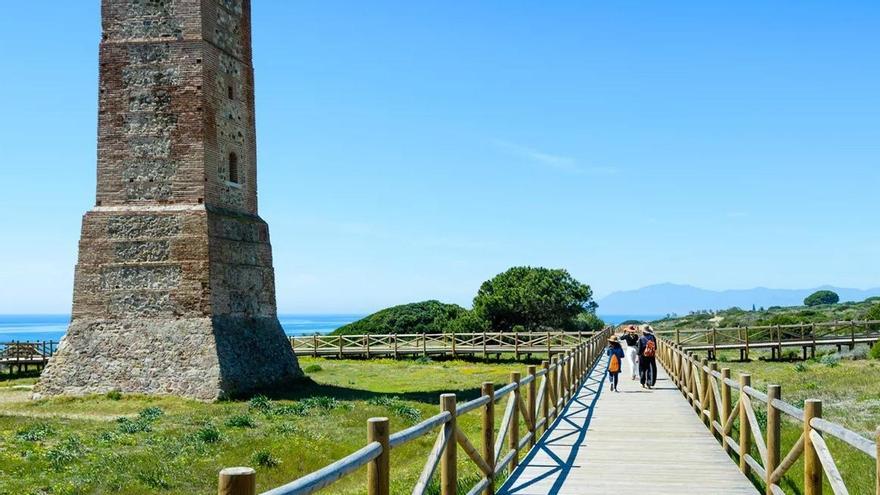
{"x":648,"y":358}
{"x":631,"y":338}
{"x":615,"y":363}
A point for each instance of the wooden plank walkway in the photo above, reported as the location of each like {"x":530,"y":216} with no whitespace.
{"x":634,"y":441}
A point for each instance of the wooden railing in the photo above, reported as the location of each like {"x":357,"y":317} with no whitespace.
{"x":446,"y":344}
{"x":709,"y":391}
{"x":775,"y":337}
{"x":535,"y":400}
{"x":25,"y":353}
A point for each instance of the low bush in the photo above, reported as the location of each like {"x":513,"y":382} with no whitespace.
{"x":801,"y":367}
{"x":313,"y":368}
{"x":241,"y":421}
{"x":397,"y":407}
{"x":114,"y":395}
{"x":261,"y":403}
{"x":132,"y":426}
{"x":830,"y":360}
{"x":35,"y":433}
{"x":65,"y":452}
{"x":151,"y":414}
{"x":875,"y":350}
{"x":208,"y":433}
{"x":265,"y":458}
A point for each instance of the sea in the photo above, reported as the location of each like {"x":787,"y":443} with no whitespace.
{"x":52,"y":327}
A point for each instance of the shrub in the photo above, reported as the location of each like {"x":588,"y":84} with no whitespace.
{"x":65,"y":452}
{"x":421,"y":317}
{"x":397,"y":407}
{"x":208,"y":433}
{"x":156,"y":477}
{"x":241,"y":421}
{"x":875,"y":350}
{"x":873,"y":314}
{"x":295,"y":409}
{"x":830,"y":360}
{"x":132,"y":426}
{"x":821,"y":297}
{"x":265,"y":458}
{"x":800,"y":367}
{"x":35,"y":433}
{"x":114,"y":395}
{"x":260,"y":403}
{"x":313,"y":368}
{"x":321,"y":402}
{"x":151,"y":413}
{"x":423,"y":360}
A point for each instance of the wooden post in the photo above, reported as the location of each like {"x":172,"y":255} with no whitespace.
{"x":340,"y":347}
{"x":315,"y":345}
{"x":745,"y":429}
{"x":549,"y":349}
{"x":552,"y":386}
{"x":237,"y":481}
{"x":877,"y":440}
{"x":449,"y":459}
{"x":774,"y":432}
{"x":424,"y":344}
{"x":394,"y":338}
{"x":713,"y":406}
{"x":453,"y":345}
{"x":513,"y":438}
{"x":489,"y":433}
{"x":378,"y":470}
{"x":367,"y":344}
{"x":485,"y":354}
{"x":516,"y":345}
{"x":677,"y":336}
{"x":545,"y":402}
{"x":812,"y":465}
{"x":705,"y":392}
{"x":725,"y":405}
{"x":714,"y":343}
{"x":747,"y":344}
{"x":533,"y":403}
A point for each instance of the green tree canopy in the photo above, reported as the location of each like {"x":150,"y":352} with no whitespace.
{"x":821,"y":297}
{"x":533,"y":298}
{"x":421,"y":317}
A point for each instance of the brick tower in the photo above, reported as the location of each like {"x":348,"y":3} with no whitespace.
{"x":174,"y":290}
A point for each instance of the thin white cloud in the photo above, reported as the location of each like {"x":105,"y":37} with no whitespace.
{"x":559,"y":162}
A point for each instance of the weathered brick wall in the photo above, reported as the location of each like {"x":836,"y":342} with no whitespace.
{"x":174,"y":254}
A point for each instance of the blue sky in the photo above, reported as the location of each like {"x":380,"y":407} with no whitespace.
{"x":411,"y":150}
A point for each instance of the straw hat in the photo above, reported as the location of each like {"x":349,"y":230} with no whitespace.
{"x":613,"y":338}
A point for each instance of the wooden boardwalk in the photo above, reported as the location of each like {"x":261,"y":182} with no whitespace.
{"x":634,"y":441}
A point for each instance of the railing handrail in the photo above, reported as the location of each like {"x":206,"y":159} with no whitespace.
{"x":560,"y":378}
{"x":788,"y":326}
{"x":710,"y":394}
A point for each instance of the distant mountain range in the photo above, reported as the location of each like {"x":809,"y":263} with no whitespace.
{"x":661,"y":299}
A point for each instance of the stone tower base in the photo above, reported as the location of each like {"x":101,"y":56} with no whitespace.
{"x":201,"y":358}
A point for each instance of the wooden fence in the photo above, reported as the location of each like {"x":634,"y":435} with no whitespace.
{"x":443,"y":344}
{"x":710,"y":393}
{"x":20,"y":355}
{"x":806,"y":336}
{"x":536,"y":400}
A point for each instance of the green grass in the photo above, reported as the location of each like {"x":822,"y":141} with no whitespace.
{"x":850,"y":394}
{"x":139,"y":444}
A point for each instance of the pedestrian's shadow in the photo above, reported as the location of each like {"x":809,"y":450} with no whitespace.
{"x":553,"y":457}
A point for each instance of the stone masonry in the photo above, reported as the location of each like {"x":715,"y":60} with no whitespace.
{"x":174,"y":291}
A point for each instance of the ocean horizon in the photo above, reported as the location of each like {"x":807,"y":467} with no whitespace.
{"x":47,"y":327}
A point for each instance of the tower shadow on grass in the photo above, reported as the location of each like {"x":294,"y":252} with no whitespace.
{"x":305,"y":388}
